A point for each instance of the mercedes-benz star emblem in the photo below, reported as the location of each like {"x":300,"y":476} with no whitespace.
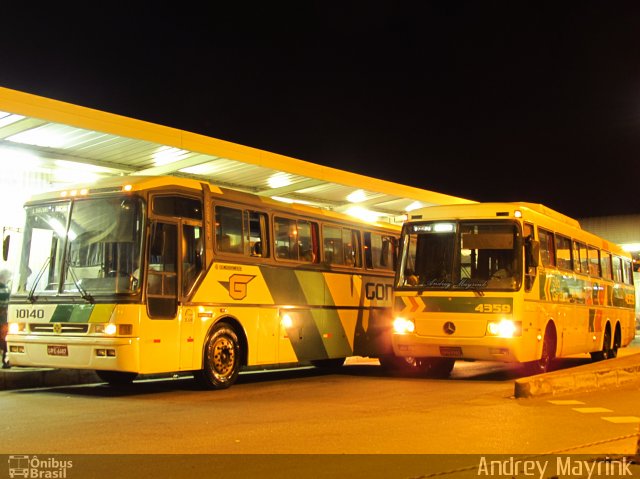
{"x":449,"y":327}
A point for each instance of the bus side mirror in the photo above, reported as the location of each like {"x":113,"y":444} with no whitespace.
{"x":532,"y":250}
{"x":5,"y":247}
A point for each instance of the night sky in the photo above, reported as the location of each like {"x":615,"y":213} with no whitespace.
{"x":491,"y":101}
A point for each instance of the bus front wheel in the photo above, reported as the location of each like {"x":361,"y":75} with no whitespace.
{"x":547,"y":356}
{"x":430,"y":367}
{"x":221,"y":364}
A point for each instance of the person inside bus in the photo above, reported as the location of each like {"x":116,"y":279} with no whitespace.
{"x":5,"y":276}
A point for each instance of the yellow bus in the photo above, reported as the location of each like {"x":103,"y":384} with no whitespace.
{"x":147,"y":275}
{"x":509,"y":282}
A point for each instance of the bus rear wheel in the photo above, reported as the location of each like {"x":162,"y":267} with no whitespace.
{"x":116,"y":378}
{"x":221,"y":364}
{"x":605,"y":352}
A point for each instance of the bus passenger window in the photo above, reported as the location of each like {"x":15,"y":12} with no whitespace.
{"x":605,"y":264}
{"x":228,"y":230}
{"x":594,"y":261}
{"x":547,"y":250}
{"x":563,"y":252}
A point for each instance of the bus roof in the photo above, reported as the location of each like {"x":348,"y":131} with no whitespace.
{"x":535,"y":212}
{"x":142,"y":183}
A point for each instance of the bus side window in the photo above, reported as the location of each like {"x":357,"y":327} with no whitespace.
{"x":594,"y":261}
{"x":605,"y":265}
{"x":547,"y":250}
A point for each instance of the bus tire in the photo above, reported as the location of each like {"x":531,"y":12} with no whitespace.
{"x":221,"y":360}
{"x":605,"y":352}
{"x":547,"y":355}
{"x":440,"y":367}
{"x":117,"y":378}
{"x":331,"y":363}
{"x":430,"y":367}
{"x":617,"y":340}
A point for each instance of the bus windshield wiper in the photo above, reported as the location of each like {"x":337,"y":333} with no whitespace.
{"x":83,"y":292}
{"x":32,"y":299}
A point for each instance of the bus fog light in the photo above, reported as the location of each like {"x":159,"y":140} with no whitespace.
{"x":101,"y":352}
{"x":16,"y":349}
{"x":403,"y":326}
{"x":111,"y":353}
{"x":504,"y":328}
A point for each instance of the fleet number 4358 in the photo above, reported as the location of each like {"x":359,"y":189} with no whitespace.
{"x":493,"y":308}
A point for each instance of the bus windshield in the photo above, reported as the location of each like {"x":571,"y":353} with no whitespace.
{"x":466,"y":255}
{"x":83,"y":247}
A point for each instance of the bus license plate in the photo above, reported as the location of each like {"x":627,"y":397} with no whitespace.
{"x":57,"y":350}
{"x":451,"y":351}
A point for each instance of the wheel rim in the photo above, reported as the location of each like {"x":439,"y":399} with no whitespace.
{"x":223,"y":357}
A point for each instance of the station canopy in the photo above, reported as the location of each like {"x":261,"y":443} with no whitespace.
{"x":64,"y":136}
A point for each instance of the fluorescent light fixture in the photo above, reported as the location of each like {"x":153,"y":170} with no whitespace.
{"x":413,"y":206}
{"x":363,"y":214}
{"x":279,"y":180}
{"x":85,"y":167}
{"x":71,"y":176}
{"x":290,"y":201}
{"x":201,"y":169}
{"x":19,"y":159}
{"x":356,"y":197}
{"x":48,"y":136}
{"x":8,"y":118}
{"x":166,"y":155}
{"x":631,"y":247}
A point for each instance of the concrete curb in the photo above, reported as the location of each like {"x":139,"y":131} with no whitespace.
{"x":611,"y":373}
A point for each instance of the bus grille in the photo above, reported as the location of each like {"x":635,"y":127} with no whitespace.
{"x":64,"y":328}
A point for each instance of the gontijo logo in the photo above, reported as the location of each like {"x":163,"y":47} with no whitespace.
{"x":33,"y":467}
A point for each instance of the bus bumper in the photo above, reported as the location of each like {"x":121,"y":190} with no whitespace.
{"x":482,"y":349}
{"x":116,"y":354}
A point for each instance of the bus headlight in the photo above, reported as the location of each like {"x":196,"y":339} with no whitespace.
{"x":403,"y":326}
{"x":15,"y":328}
{"x":505,"y":328}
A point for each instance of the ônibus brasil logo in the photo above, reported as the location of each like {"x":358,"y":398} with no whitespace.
{"x":41,"y":468}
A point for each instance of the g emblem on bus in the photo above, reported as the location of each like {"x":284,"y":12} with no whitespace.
{"x":57,"y":328}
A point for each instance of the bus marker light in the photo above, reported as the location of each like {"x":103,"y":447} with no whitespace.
{"x":286,"y":321}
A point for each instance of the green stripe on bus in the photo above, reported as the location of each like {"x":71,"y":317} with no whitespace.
{"x":464,"y":305}
{"x":72,"y":313}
